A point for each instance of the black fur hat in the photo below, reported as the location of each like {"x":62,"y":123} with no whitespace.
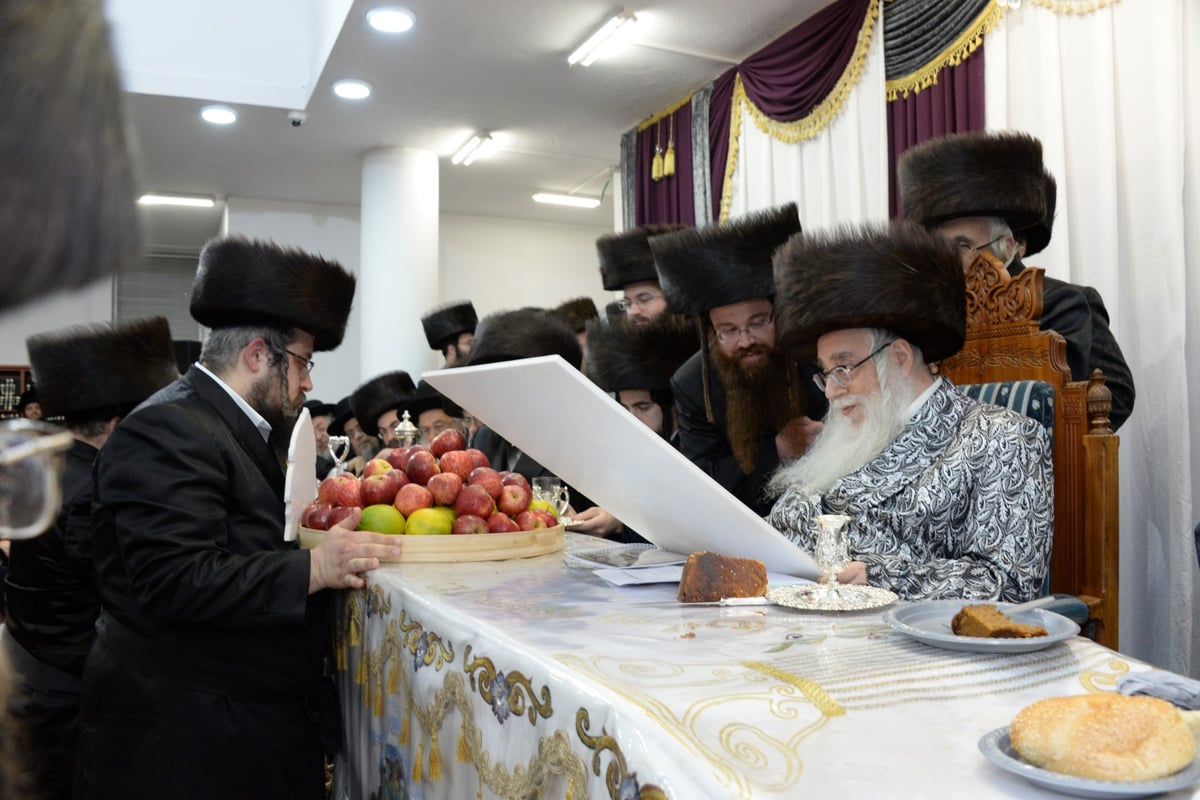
{"x":427,"y":397}
{"x":722,"y":264}
{"x":90,"y":368}
{"x":525,"y":333}
{"x":342,"y":413}
{"x":316,"y":408}
{"x":576,"y":312}
{"x":28,"y":396}
{"x":625,"y":258}
{"x":898,"y":277}
{"x":385,"y":392}
{"x":974,"y":174}
{"x":245,"y":282}
{"x":447,"y":322}
{"x":1038,"y":235}
{"x":626,"y":356}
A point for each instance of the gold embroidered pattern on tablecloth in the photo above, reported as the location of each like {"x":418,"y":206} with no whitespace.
{"x":508,"y":692}
{"x":621,"y":783}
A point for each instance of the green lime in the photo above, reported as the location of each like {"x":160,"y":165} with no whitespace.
{"x":381,"y":519}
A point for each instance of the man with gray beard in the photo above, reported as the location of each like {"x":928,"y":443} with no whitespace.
{"x":948,"y":496}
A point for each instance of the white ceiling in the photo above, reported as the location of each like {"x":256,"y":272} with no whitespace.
{"x":491,"y":65}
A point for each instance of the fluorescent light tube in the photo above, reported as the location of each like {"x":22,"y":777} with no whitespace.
{"x":566,"y":200}
{"x":466,"y":150}
{"x":175,"y":200}
{"x":591,"y":49}
{"x":484,"y":148}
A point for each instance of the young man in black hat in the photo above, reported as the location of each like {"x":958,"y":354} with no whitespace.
{"x":92,"y":376}
{"x":756,"y":410}
{"x":627,"y":266}
{"x":377,"y":403}
{"x":432,"y":412}
{"x":450,"y":329}
{"x":28,"y":405}
{"x":991,"y":191}
{"x":321,"y":415}
{"x":949,"y":497}
{"x":362,"y":447}
{"x":210,"y":674}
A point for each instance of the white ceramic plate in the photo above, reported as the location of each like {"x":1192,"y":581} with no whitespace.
{"x":812,"y":597}
{"x":929,"y":622}
{"x":998,"y":749}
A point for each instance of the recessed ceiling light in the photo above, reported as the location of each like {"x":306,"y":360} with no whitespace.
{"x":350,"y":89}
{"x":175,"y":200}
{"x":390,"y":19}
{"x":566,"y":200}
{"x":218,"y":115}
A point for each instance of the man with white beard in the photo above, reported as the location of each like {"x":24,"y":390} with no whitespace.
{"x":948,"y":497}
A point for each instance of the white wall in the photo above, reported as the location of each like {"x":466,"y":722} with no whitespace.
{"x":90,"y":304}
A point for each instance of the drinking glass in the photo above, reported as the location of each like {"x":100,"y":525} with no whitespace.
{"x":554,"y":492}
{"x":832,"y":550}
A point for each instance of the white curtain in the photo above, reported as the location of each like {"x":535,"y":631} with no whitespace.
{"x":1114,"y":95}
{"x":839,"y":176}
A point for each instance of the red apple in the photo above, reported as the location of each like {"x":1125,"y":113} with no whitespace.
{"x":447,"y":440}
{"x":479,"y":457}
{"x":311,"y":510}
{"x":340,"y":513}
{"x":456,"y":461}
{"x":549,"y":519}
{"x":398,"y":477}
{"x":327,"y":490}
{"x":398,"y":458}
{"x":511,"y":478}
{"x":319,"y":519}
{"x":514,"y":499}
{"x":376,"y":466}
{"x":488,"y":478}
{"x":411,"y":497}
{"x":502,"y":523}
{"x":530,"y":520}
{"x":474,"y":500}
{"x":469,"y":523}
{"x":378,"y":489}
{"x":422,"y":465}
{"x":444,"y":487}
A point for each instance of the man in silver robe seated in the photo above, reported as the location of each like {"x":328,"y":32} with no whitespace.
{"x":948,"y":496}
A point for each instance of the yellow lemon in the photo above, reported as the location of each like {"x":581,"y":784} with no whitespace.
{"x":434,"y":521}
{"x":381,"y":519}
{"x":543,"y":505}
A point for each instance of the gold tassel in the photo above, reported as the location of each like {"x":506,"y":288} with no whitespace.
{"x":394,"y":679}
{"x":417,"y":765}
{"x":404,"y":728}
{"x":464,"y":752}
{"x":340,"y":655}
{"x":656,"y":166}
{"x":378,"y":709}
{"x":435,"y":759}
{"x":355,"y":639}
{"x":479,"y":791}
{"x":669,"y":159}
{"x":570,"y":787}
{"x":360,"y":674}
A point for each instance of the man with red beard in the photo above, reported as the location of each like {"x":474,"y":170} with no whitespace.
{"x":754,"y":415}
{"x":948,"y":496}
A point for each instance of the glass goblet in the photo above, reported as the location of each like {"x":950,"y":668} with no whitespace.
{"x":832,"y":550}
{"x":551,"y":490}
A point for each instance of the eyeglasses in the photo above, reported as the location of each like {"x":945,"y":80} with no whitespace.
{"x":753,"y":329}
{"x":966,"y":248}
{"x":841,"y":375}
{"x":30,"y":465}
{"x":306,"y":364}
{"x":641,"y":301}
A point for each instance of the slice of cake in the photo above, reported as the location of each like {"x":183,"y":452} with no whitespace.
{"x":709,"y":577}
{"x":986,"y":622}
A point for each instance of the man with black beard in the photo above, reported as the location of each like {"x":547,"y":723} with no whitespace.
{"x":755,"y":414}
{"x":948,"y":496}
{"x":209,"y":676}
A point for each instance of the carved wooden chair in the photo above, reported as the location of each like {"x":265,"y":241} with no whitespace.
{"x":1003,"y":345}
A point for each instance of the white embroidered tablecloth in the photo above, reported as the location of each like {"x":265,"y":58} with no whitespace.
{"x":529,"y":678}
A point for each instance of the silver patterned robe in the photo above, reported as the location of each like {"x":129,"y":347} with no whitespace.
{"x":960,"y":504}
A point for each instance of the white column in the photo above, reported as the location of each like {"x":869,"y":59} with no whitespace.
{"x":398,"y":271}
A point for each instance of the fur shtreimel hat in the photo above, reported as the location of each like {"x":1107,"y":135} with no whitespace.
{"x":446,"y":323}
{"x":383,"y":393}
{"x":92,"y":368}
{"x":722,"y":264}
{"x":244,"y":282}
{"x":625,"y":258}
{"x":576,"y":312}
{"x":425,"y":398}
{"x":28,"y":396}
{"x":898,"y":277}
{"x":525,"y":333}
{"x":342,"y":413}
{"x":974,"y":174}
{"x":1038,"y":235}
{"x":626,"y":356}
{"x":316,"y":408}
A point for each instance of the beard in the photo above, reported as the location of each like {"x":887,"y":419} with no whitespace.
{"x":844,"y":445}
{"x":267,"y":397}
{"x":760,"y":398}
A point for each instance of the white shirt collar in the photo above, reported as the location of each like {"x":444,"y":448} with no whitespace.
{"x":263,"y":426}
{"x":922,"y":398}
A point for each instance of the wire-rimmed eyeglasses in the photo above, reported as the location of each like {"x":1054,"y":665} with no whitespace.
{"x":966,"y":248}
{"x":641,"y":301}
{"x":754,"y":329}
{"x":841,"y":375}
{"x":306,"y":364}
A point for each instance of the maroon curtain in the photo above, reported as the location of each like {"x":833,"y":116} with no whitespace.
{"x":668,"y":200}
{"x":952,"y":105}
{"x":719,"y":115}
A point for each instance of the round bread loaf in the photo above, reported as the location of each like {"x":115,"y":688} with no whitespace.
{"x":1107,"y":737}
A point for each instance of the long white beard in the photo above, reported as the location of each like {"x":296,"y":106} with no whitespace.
{"x":843,"y":446}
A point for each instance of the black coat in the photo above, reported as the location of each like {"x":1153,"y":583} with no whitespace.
{"x":208,"y":676}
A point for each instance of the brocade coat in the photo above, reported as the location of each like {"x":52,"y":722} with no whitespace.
{"x":208,"y":677}
{"x":959,"y":505}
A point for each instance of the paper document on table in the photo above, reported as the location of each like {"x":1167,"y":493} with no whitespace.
{"x":638,"y":576}
{"x":553,"y":413}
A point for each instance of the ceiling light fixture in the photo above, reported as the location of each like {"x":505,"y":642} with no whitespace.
{"x":175,"y":200}
{"x":594,"y":46}
{"x":218,"y":115}
{"x":351,"y":89}
{"x":573,"y":200}
{"x":479,"y":144}
{"x":390,"y":19}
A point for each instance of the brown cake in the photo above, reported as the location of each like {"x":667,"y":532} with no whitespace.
{"x":708,"y":577}
{"x":986,"y":622}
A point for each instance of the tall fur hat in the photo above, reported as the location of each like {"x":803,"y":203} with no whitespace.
{"x":447,"y":322}
{"x":245,"y":282}
{"x":1038,"y":235}
{"x":976,"y":174}
{"x":91,"y":368}
{"x":342,"y":413}
{"x":722,"y":264}
{"x":625,"y":258}
{"x":524,"y":333}
{"x":898,"y":277}
{"x":626,"y":356}
{"x":576,"y":312}
{"x":425,"y":398}
{"x":27,"y":397}
{"x":385,"y":392}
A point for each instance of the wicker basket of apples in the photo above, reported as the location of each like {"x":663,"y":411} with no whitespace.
{"x":445,"y":501}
